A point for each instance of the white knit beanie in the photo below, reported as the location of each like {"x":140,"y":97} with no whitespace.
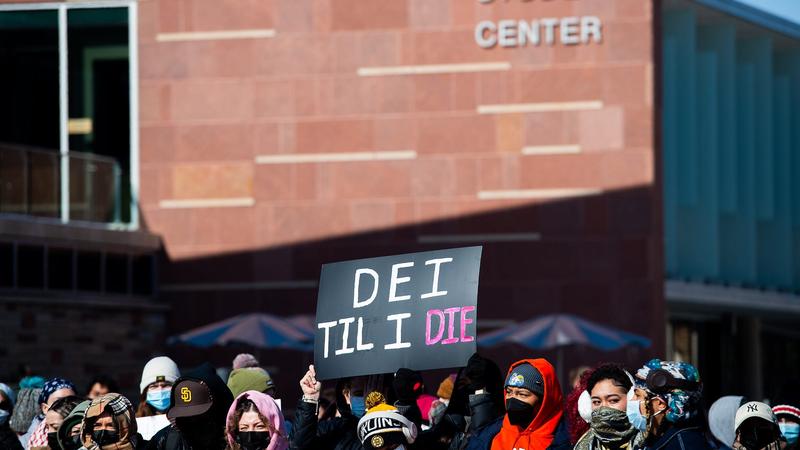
{"x":161,"y":368}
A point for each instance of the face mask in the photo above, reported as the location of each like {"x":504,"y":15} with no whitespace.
{"x":757,"y":434}
{"x":72,"y":443}
{"x":52,"y":441}
{"x":252,"y":440}
{"x":105,"y":437}
{"x":519,"y":412}
{"x":357,"y":406}
{"x":200,"y":431}
{"x":611,"y":425}
{"x":4,"y":415}
{"x":790,"y":431}
{"x":635,"y":416}
{"x":158,"y":399}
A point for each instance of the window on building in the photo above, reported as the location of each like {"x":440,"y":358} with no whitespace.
{"x":66,"y":121}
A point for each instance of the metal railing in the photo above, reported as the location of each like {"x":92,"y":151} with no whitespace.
{"x":30,"y":184}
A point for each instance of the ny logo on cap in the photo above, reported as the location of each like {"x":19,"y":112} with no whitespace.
{"x":186,"y":395}
{"x":752,"y":408}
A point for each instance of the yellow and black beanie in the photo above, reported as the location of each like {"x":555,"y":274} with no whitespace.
{"x":383,"y":425}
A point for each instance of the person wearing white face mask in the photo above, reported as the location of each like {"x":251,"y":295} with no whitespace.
{"x":669,"y":393}
{"x":158,"y":376}
{"x":604,"y":404}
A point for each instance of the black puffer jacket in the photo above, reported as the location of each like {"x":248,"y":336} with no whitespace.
{"x":9,"y":439}
{"x":485,"y":422}
{"x":171,"y":438}
{"x":471,"y":420}
{"x":338,"y":433}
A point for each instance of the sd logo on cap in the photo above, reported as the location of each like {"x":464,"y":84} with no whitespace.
{"x":192,"y":398}
{"x":186,"y":394}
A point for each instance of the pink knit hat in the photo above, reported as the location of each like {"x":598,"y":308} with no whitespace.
{"x":243,"y":360}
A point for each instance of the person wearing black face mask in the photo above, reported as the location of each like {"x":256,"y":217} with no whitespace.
{"x":256,"y":423}
{"x":756,"y":428}
{"x":476,"y":410}
{"x":69,"y":433}
{"x":199,"y":402}
{"x":534,"y":409}
{"x":109,"y":424}
{"x":55,"y":417}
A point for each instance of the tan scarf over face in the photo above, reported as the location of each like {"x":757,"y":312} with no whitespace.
{"x":121,"y":410}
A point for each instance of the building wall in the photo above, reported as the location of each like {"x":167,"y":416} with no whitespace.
{"x":544,"y":153}
{"x":79,"y":339}
{"x":210,"y":108}
{"x":420,"y":135}
{"x":77,"y":301}
{"x":732,"y":201}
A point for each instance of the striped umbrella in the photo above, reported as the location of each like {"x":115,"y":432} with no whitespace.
{"x":560,"y":330}
{"x":258,"y":330}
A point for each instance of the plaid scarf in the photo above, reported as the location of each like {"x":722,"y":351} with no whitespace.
{"x":122,"y":411}
{"x":39,"y":436}
{"x":610,"y":429}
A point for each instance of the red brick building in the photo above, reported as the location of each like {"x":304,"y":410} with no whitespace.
{"x":280,"y":135}
{"x":271,"y":136}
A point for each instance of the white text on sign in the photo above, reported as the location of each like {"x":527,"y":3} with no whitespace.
{"x":442,"y":326}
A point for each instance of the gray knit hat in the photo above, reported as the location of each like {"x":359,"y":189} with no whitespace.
{"x":528,"y":377}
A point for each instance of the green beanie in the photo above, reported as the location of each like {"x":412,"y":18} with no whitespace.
{"x":249,"y":379}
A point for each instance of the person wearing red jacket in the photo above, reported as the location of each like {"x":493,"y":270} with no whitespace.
{"x":534,"y":409}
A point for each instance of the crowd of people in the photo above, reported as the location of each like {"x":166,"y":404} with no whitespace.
{"x":659,"y":406}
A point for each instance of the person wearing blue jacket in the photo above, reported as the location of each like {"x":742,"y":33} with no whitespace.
{"x":668,"y":395}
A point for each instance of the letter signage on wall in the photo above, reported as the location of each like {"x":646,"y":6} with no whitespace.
{"x":508,"y":33}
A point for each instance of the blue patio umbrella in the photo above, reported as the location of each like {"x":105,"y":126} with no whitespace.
{"x":560,"y":330}
{"x":256,"y":329}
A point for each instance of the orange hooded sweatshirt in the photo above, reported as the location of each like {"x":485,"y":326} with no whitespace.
{"x":542,"y":429}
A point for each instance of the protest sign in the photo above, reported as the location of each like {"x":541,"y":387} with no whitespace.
{"x":416,"y":310}
{"x":149,"y":426}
